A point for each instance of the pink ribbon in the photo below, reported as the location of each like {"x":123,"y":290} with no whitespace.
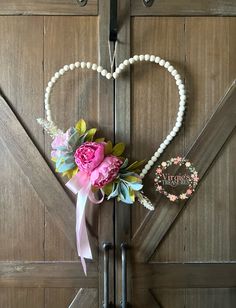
{"x":80,"y":184}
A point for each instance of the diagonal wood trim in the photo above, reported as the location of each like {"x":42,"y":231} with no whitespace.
{"x":202,"y":154}
{"x":47,"y":275}
{"x":85,"y":298}
{"x":49,"y":190}
{"x":188,"y":275}
{"x":184,"y":8}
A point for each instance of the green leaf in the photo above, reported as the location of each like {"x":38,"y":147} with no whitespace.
{"x":108,"y":147}
{"x":132,"y":179}
{"x":90,"y":133}
{"x":99,"y":140}
{"x":81,"y":126}
{"x":108,"y":189}
{"x":134,"y":166}
{"x":118,"y":149}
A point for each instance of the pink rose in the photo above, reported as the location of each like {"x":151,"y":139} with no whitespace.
{"x":89,"y":155}
{"x":106,"y":172}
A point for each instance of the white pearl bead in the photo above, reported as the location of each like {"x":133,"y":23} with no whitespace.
{"x":47,"y":107}
{"x":66,"y":68}
{"x":162,"y":62}
{"x":152,"y":58}
{"x":181,"y":87}
{"x":178,"y":124}
{"x":176,"y":129}
{"x":154,"y":158}
{"x":166,"y":142}
{"x":77,"y":64}
{"x":72,"y":66}
{"x":103,"y":72}
{"x":179,"y":82}
{"x":141,"y":57}
{"x":126,"y":62}
{"x":46,"y":95}
{"x":108,"y":75}
{"x":169,"y":137}
{"x":179,"y":119}
{"x":157,"y":154}
{"x":160,"y":150}
{"x":57,"y":75}
{"x":170,"y":69}
{"x":144,"y":171}
{"x":180,"y":113}
{"x":61,"y":71}
{"x":88,"y":64}
{"x":177,"y":77}
{"x":50,"y":84}
{"x":94,"y":67}
{"x":99,"y":69}
{"x":182,"y":108}
{"x":48,"y":112}
{"x":115,"y":75}
{"x":157,"y":59}
{"x":181,"y":92}
{"x":150,"y":163}
{"x":121,"y":66}
{"x":147,"y":167}
{"x":83,"y":64}
{"x":131,"y":60}
{"x":118,"y":70}
{"x":167,"y":64}
{"x":182,"y":97}
{"x":163,"y":146}
{"x":174,"y":73}
{"x":53,"y":79}
{"x":173,"y":133}
{"x":141,"y":175}
{"x":136,"y":58}
{"x":147,"y":57}
{"x":182,"y":103}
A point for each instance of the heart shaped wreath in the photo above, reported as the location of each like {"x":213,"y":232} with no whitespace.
{"x":93,"y":165}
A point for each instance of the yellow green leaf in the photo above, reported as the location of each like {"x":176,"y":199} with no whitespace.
{"x":81,"y":126}
{"x":132,"y":179}
{"x":90,"y":133}
{"x":108,"y":147}
{"x":99,"y":140}
{"x":118,"y":149}
{"x":108,"y":189}
{"x":132,"y":194}
{"x":134,"y":166}
{"x":70,"y":173}
{"x":54,"y":159}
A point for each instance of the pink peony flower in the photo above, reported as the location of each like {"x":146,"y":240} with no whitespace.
{"x":89,"y":156}
{"x":106,"y":172}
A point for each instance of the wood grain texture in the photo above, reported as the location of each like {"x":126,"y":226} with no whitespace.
{"x":71,"y":100}
{"x":45,"y":7}
{"x":210,"y":70}
{"x":192,"y":275}
{"x":21,"y":210}
{"x":47,"y":274}
{"x":37,"y":171}
{"x":85,"y":298}
{"x":59,"y":297}
{"x":184,"y":8}
{"x":196,"y":298}
{"x":21,"y":297}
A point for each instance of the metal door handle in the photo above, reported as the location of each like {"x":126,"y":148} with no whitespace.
{"x":124,"y":247}
{"x":106,"y":248}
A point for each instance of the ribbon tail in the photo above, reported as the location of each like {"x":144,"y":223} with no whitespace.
{"x":83,"y":246}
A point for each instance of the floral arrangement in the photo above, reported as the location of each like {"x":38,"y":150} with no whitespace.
{"x":76,"y":152}
{"x":192,"y":179}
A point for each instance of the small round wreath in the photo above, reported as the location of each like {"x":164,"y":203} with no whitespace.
{"x":192,"y":179}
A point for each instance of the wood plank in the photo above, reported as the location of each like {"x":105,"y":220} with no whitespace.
{"x":202,"y":153}
{"x":184,"y":8}
{"x":59,"y":297}
{"x":37,"y":171}
{"x":185,"y":275}
{"x":47,"y":274}
{"x":85,"y":298}
{"x":48,"y":7}
{"x":71,"y":100}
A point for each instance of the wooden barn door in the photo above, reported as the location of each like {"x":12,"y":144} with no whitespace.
{"x":39,"y":266}
{"x":181,"y":254}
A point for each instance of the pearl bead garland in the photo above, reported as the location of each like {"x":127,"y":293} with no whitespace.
{"x":108,"y":75}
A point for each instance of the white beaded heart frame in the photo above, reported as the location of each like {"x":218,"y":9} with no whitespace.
{"x":117,"y":72}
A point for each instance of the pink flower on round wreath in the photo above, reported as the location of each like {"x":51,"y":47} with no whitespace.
{"x":177,"y":160}
{"x":172,"y":197}
{"x":159,"y":170}
{"x":106,"y":172}
{"x":89,"y":156}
